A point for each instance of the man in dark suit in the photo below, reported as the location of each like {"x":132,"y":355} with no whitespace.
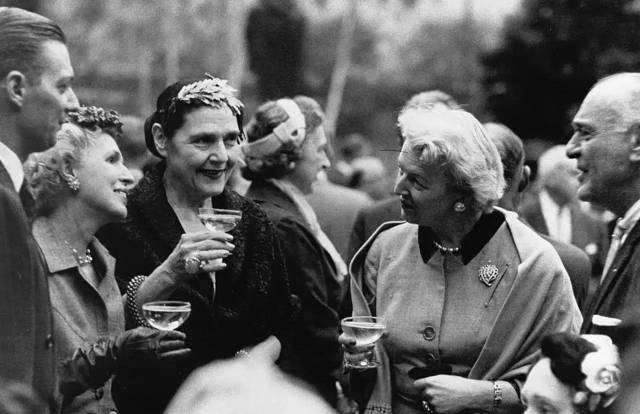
{"x":555,"y":211}
{"x":516,"y":176}
{"x":35,"y":94}
{"x":606,"y":145}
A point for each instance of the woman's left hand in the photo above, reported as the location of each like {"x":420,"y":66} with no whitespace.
{"x":450,"y":393}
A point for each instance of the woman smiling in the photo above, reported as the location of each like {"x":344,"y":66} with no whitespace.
{"x":80,"y":184}
{"x":195,"y":130}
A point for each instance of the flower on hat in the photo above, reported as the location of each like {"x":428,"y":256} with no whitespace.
{"x":602,"y":369}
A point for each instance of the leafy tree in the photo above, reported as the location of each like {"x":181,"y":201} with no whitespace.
{"x":551,"y":55}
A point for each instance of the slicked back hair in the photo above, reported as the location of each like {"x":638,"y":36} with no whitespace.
{"x":22,"y":34}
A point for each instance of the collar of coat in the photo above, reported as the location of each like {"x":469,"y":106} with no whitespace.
{"x":471,"y":244}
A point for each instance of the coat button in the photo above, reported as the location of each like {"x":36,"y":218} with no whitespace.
{"x":48,"y":342}
{"x":99,"y":392}
{"x":429,"y":333}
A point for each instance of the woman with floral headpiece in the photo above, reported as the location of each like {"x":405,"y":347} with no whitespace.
{"x":285,"y":150}
{"x":81,"y":184}
{"x":195,"y":130}
{"x":575,"y":375}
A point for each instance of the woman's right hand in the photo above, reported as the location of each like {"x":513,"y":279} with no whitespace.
{"x":197,"y":252}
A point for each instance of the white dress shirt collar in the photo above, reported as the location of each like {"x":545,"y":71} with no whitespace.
{"x":629,"y":220}
{"x":557,"y":218}
{"x":13,"y":166}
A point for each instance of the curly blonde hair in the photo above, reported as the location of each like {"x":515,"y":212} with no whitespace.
{"x":470,"y":160}
{"x":46,"y":171}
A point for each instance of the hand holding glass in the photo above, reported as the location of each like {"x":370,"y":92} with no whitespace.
{"x":218,"y":219}
{"x":166,"y":315}
{"x":366,"y":331}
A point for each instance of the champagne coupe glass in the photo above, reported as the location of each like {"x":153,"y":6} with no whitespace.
{"x":166,"y":315}
{"x":218,"y":219}
{"x":366,"y":330}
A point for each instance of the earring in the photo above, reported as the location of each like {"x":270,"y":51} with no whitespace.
{"x":459,"y":207}
{"x":72,"y":182}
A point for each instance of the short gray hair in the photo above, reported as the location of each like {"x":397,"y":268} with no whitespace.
{"x":470,"y":160}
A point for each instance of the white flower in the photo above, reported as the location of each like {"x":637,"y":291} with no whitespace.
{"x":602,"y":371}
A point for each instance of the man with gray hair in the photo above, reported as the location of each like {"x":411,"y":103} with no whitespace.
{"x":36,"y":93}
{"x":606,"y":145}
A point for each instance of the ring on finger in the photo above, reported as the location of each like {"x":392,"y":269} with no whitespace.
{"x":202,"y":264}
{"x":428,"y":408}
{"x":192,"y":264}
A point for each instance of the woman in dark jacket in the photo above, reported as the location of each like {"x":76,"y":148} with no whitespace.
{"x":195,"y":130}
{"x":286,"y":149}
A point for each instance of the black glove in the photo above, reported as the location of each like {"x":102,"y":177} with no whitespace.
{"x":145,"y":346}
{"x":91,"y":367}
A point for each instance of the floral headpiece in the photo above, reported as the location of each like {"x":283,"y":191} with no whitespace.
{"x":211,"y":91}
{"x":93,"y":117}
{"x":602,"y":370}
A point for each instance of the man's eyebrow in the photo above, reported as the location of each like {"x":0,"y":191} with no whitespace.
{"x":232,"y":134}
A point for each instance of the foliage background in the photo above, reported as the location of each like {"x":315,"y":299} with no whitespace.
{"x":529,"y":73}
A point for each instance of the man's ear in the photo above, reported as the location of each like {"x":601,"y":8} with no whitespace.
{"x":15,"y":85}
{"x":634,"y":134}
{"x":159,"y":139}
{"x":525,"y":179}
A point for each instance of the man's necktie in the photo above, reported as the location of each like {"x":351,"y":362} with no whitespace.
{"x":616,"y":241}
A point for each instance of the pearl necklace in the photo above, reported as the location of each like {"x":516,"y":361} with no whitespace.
{"x":80,"y":259}
{"x":446,"y":250}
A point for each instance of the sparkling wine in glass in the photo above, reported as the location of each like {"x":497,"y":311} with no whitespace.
{"x":218,"y":219}
{"x":166,"y":315}
{"x":366,"y":330}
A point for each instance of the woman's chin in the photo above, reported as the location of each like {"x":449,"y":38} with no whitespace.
{"x":212,"y":189}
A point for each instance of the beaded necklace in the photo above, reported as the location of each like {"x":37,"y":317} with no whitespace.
{"x":80,"y":259}
{"x":446,"y":250}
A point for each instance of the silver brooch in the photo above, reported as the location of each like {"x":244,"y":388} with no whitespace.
{"x":488,"y":273}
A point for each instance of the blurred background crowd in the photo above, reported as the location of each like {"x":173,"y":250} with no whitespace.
{"x":525,"y":63}
{"x":519,"y":66}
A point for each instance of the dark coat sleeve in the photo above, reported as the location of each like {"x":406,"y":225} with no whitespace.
{"x":25,"y":311}
{"x":313,"y":280}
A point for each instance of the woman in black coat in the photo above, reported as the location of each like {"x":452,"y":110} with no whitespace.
{"x":285,"y":151}
{"x":195,"y":130}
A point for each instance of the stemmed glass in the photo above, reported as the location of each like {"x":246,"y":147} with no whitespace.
{"x":366,"y":330}
{"x":218,"y":219}
{"x":166,"y":315}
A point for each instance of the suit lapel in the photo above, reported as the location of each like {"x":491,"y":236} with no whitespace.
{"x":5,"y":179}
{"x":617,"y":268}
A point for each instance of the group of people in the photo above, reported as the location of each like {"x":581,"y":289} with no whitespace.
{"x":482,"y":313}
